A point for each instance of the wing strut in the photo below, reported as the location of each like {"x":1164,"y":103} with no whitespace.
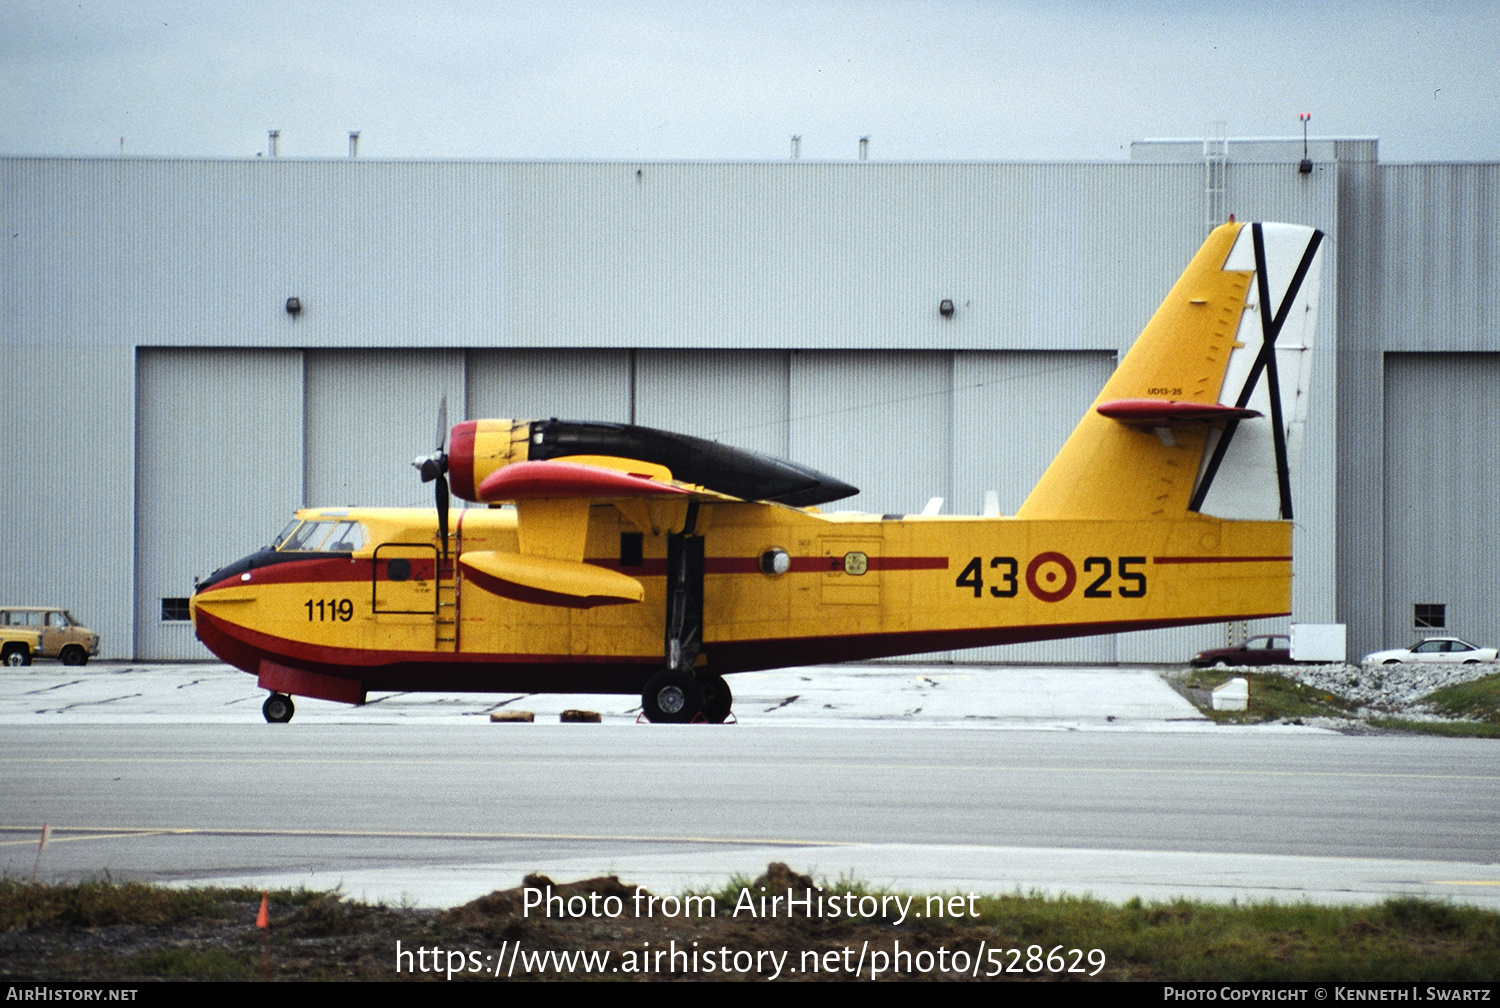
{"x":684,"y":595}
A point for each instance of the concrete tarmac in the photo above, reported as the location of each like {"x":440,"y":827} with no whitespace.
{"x":1098,"y":782}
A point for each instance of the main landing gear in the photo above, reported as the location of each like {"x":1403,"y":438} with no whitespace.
{"x":278,"y":708}
{"x":676,"y":694}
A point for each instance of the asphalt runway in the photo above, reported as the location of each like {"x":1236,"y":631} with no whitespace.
{"x":149,"y":773}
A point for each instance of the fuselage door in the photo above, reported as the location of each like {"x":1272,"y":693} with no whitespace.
{"x":405,"y":579}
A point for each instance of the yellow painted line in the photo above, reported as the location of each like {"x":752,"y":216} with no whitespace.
{"x":98,"y":833}
{"x":510,"y":761}
{"x":53,"y":838}
{"x":1493,"y":882}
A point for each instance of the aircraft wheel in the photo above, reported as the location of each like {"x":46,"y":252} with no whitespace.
{"x":278,"y":708}
{"x":74,"y":655}
{"x":717,"y":699}
{"x":671,"y":697}
{"x":17,"y":656}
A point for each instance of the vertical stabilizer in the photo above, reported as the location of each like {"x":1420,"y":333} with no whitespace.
{"x":1205,"y":412}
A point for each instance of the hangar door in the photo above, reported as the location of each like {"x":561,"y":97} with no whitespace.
{"x":1442,"y":498}
{"x":218,"y":473}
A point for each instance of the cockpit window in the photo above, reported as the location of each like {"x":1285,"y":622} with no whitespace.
{"x":323,"y":537}
{"x":276,"y":543}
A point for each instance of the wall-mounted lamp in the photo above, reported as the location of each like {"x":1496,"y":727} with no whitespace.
{"x":293,"y":306}
{"x":945,"y":307}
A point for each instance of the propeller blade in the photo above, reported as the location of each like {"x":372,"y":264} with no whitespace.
{"x":434,"y":469}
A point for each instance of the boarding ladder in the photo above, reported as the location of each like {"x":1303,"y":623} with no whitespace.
{"x":445,"y":612}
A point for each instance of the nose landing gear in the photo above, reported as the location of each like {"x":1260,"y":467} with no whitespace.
{"x":278,"y":708}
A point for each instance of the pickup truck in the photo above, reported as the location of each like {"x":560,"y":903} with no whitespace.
{"x":18,"y":645}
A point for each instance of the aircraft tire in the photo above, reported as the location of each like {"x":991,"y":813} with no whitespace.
{"x":278,"y":708}
{"x":671,"y":697}
{"x":717,"y":699}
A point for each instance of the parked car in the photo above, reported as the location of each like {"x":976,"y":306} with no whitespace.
{"x":1434,"y":649}
{"x":59,"y":634}
{"x":1267,"y":649}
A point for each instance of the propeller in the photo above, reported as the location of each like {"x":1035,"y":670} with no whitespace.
{"x":434,"y":469}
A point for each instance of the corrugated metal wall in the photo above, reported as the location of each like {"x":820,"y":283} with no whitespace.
{"x":1439,"y":276}
{"x":1420,"y":272}
{"x":1442,"y":496}
{"x":609,"y":290}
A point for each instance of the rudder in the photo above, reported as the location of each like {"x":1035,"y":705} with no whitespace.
{"x":1205,"y":409}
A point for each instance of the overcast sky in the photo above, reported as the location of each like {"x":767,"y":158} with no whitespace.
{"x":663,"y":80}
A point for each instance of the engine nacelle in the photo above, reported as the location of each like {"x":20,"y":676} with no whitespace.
{"x":478,"y":448}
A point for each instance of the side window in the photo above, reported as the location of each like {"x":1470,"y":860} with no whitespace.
{"x":346,"y":538}
{"x":55,"y":621}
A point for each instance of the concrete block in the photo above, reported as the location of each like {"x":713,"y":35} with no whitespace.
{"x":1233,"y":695}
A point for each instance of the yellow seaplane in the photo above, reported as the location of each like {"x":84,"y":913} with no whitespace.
{"x":621,"y":559}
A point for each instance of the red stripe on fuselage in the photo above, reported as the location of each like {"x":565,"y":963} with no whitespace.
{"x":331,"y":570}
{"x":656,"y":567}
{"x":1220,"y":559}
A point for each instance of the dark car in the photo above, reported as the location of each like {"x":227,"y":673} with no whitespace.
{"x":1267,"y":649}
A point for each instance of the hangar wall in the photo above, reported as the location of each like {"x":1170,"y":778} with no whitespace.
{"x":1418,"y":387}
{"x":690,"y":296}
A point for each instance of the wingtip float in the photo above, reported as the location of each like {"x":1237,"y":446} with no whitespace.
{"x":632,"y":560}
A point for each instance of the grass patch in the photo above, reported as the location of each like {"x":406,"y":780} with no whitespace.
{"x":1478,"y":699}
{"x":1449,"y":729}
{"x":1272,"y":698}
{"x":197,"y":964}
{"x":325,"y":937}
{"x":104,"y":902}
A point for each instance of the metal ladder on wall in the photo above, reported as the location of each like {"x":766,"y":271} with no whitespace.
{"x":1215,"y":160}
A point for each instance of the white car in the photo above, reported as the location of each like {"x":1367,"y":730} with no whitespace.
{"x":1434,"y":649}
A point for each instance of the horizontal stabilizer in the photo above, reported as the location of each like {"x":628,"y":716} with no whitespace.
{"x":560,"y":480}
{"x":549,"y":581}
{"x":1152,"y":412}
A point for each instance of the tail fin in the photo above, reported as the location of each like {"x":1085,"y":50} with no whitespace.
{"x":1206,"y":410}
